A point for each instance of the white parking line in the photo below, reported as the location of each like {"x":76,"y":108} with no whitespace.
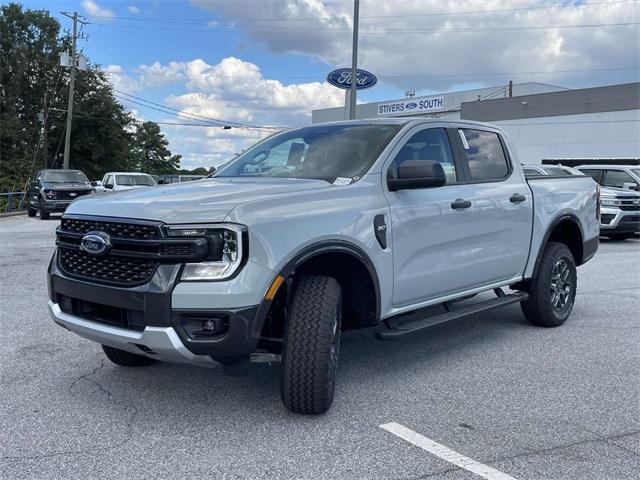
{"x":445,"y":453}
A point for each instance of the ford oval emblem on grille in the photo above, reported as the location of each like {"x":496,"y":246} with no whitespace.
{"x":96,"y":243}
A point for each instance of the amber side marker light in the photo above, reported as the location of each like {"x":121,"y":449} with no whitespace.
{"x":273,"y":289}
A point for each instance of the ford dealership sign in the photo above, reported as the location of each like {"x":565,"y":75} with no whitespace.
{"x":341,"y":78}
{"x":411,"y":106}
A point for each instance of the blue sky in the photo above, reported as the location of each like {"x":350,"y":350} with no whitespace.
{"x":264,"y":61}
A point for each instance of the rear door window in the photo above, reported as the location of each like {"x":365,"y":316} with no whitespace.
{"x":484,"y":154}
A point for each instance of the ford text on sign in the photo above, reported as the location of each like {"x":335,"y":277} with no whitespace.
{"x":341,"y":78}
{"x":407,"y":107}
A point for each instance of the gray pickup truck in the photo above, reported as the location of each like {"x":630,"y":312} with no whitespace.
{"x":387,"y":224}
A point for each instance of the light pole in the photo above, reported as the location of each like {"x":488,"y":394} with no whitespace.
{"x":354,"y":61}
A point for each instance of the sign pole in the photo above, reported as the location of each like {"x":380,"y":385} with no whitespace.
{"x":354,"y":61}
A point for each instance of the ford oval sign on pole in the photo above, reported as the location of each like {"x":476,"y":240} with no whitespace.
{"x":341,"y":78}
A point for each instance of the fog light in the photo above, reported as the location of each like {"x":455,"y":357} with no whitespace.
{"x":209,"y":325}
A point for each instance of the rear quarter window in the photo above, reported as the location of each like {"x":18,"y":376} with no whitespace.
{"x":484,"y":154}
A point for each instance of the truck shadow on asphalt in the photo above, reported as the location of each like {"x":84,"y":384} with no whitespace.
{"x":366,"y":366}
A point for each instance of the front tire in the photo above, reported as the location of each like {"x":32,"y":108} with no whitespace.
{"x":44,"y":215}
{"x":126,"y":359}
{"x":311,"y":346}
{"x":31,"y":212}
{"x":552,"y":292}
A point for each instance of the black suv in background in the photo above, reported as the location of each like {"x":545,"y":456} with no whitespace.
{"x":53,"y":191}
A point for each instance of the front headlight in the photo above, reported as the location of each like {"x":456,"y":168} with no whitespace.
{"x":225,"y":246}
{"x":609,"y":202}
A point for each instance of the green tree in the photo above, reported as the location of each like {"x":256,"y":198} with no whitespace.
{"x":150,"y":150}
{"x":104,"y":136}
{"x":29,"y":50}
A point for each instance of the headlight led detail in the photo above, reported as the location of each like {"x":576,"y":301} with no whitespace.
{"x":225,"y":250}
{"x":609,"y":202}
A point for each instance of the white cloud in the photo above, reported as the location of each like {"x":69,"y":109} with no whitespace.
{"x":95,"y":10}
{"x":232,"y":90}
{"x":133,"y":9}
{"x":408,"y":46}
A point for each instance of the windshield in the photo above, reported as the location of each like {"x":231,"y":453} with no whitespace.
{"x":69,"y":176}
{"x":636,"y":172}
{"x":334,"y":153}
{"x":135,"y":180}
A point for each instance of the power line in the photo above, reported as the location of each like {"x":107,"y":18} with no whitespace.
{"x":194,"y":21}
{"x":279,"y":32}
{"x":215,"y":122}
{"x":435,"y":75}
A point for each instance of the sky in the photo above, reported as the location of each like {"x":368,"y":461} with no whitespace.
{"x":263,"y":63}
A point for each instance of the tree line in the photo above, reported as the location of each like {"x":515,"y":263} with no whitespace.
{"x":34,"y":94}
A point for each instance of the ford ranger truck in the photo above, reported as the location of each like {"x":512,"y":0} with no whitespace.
{"x":377,"y":223}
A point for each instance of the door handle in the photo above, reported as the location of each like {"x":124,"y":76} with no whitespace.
{"x":517,"y":198}
{"x":460,"y":204}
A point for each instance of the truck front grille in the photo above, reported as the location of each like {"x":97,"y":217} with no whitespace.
{"x":124,"y":271}
{"x":70,"y":194}
{"x":137,"y":230}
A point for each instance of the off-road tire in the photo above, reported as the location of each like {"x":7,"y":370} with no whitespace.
{"x":126,"y":359}
{"x":31,"y":212}
{"x":539,"y":308}
{"x":44,"y":215}
{"x":311,"y":345}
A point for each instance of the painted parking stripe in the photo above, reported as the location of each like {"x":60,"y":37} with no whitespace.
{"x":485,"y":471}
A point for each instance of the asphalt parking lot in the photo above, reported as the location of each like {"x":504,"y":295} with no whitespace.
{"x":525,"y":402}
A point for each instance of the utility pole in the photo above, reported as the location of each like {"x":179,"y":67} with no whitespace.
{"x":72,"y":77}
{"x":45,"y":140}
{"x":354,"y":61}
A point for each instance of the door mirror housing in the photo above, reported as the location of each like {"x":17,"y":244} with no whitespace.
{"x":630,"y":186}
{"x":108,"y":186}
{"x":418,"y":174}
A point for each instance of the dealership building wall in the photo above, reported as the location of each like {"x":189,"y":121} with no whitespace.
{"x":543,"y":121}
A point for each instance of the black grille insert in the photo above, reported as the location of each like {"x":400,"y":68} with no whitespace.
{"x":118,"y":270}
{"x":139,"y":231}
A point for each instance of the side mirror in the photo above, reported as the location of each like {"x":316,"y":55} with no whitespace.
{"x":418,"y":174}
{"x":630,"y":186}
{"x":161,"y":182}
{"x":95,"y":184}
{"x":108,"y":186}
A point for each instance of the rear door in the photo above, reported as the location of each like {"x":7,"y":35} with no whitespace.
{"x":499,"y":218}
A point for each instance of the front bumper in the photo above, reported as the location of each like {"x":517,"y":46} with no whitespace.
{"x":160,"y":320}
{"x":614,"y":220}
{"x":55,"y":205}
{"x":161,"y":343}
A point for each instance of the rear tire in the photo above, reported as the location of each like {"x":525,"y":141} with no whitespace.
{"x":311,"y":346}
{"x":31,"y":212}
{"x":552,"y":292}
{"x":126,"y":359}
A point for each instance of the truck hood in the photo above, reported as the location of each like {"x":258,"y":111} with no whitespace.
{"x":618,"y":192}
{"x":208,"y":200}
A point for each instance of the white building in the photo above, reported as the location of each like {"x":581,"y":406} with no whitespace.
{"x":544,"y":121}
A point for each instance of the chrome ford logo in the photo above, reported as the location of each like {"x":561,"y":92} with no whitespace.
{"x":96,"y":243}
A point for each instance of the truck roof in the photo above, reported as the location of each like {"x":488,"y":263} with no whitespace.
{"x":406,"y":120}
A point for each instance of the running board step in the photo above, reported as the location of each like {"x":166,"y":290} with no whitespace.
{"x":415,"y":326}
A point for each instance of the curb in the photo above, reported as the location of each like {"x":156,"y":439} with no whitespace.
{"x":13,"y":214}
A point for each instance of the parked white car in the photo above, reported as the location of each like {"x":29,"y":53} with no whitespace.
{"x":118,"y":181}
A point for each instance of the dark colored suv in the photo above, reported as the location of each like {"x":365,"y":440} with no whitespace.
{"x":53,"y":191}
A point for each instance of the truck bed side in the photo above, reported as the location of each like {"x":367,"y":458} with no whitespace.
{"x":557,"y":198}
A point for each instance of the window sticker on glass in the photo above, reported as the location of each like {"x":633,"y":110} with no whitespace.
{"x":465,"y":144}
{"x":342,"y":181}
